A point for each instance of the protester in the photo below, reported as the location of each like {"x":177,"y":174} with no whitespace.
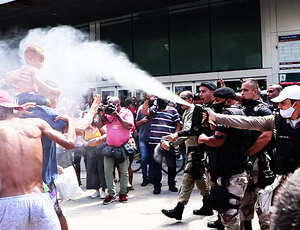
{"x":26,"y":80}
{"x":95,"y":178}
{"x":165,"y":120}
{"x":21,"y":166}
{"x":143,"y":124}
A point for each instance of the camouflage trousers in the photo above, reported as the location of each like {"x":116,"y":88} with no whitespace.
{"x":188,"y":184}
{"x":250,"y":203}
{"x":237,"y":186}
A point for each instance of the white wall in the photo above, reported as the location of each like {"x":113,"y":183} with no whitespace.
{"x":278,"y":17}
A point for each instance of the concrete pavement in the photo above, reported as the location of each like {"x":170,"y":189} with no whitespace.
{"x":141,"y":212}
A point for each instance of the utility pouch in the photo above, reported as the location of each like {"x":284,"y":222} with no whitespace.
{"x":219,"y":197}
{"x":265,"y":176}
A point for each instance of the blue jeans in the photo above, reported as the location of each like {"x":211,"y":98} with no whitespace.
{"x":144,"y":158}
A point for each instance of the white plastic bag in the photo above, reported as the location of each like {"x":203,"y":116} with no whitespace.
{"x":67,"y":184}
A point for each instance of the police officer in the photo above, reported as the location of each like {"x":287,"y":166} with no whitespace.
{"x":228,"y":162}
{"x":286,"y":125}
{"x":272,"y":92}
{"x":194,"y":171}
{"x":254,"y":106}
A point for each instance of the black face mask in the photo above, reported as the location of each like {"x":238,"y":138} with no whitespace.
{"x":218,"y":107}
{"x":162,"y":104}
{"x":249,"y":103}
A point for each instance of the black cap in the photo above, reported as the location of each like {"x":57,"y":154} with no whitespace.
{"x":208,"y":84}
{"x":224,"y":92}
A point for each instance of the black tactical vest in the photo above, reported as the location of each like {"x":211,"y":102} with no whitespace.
{"x":231,"y":158}
{"x":287,"y":155}
{"x":258,"y":108}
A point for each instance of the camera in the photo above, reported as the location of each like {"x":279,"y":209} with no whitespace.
{"x":108,"y":109}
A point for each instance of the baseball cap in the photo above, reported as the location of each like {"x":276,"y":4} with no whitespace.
{"x":7,"y":101}
{"x":224,"y":92}
{"x":289,"y":92}
{"x":208,"y":84}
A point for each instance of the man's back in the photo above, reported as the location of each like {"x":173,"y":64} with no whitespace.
{"x":20,"y":146}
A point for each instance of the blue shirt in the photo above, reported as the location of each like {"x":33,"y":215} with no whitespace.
{"x":144,"y":129}
{"x":48,"y":114}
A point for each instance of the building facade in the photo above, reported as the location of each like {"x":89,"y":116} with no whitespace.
{"x":183,"y":45}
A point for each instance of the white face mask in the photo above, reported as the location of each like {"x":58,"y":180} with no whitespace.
{"x":287,"y":113}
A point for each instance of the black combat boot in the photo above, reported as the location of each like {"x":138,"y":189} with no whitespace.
{"x":204,"y":211}
{"x":216,"y":224}
{"x":175,"y":213}
{"x":247,"y":225}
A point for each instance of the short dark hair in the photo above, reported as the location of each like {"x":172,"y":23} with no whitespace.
{"x":287,"y":204}
{"x":253,"y":82}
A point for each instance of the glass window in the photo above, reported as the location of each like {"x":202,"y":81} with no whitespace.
{"x":235,"y":34}
{"x":189,"y":41}
{"x":119,"y":34}
{"x":151,"y":47}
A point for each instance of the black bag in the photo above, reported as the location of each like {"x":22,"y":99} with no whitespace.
{"x":111,"y":151}
{"x":130,"y":148}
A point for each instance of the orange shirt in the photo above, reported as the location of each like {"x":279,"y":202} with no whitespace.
{"x":91,"y":135}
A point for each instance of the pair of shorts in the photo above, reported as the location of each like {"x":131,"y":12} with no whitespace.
{"x":28,"y":212}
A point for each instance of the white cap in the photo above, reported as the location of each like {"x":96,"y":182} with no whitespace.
{"x":289,"y":92}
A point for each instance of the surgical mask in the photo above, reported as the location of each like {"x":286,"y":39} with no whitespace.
{"x":287,"y":113}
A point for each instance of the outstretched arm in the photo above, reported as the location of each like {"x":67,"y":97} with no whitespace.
{"x":88,"y":118}
{"x":67,"y":139}
{"x":265,"y":123}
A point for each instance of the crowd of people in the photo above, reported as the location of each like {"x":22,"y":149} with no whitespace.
{"x":241,"y":151}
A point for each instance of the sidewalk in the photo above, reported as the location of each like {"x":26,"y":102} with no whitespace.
{"x":141,"y":212}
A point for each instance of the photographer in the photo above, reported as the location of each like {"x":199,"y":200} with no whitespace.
{"x":119,"y":122}
{"x":194,"y":167}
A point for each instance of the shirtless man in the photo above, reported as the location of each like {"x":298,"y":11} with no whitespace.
{"x":23,"y":205}
{"x":26,"y":80}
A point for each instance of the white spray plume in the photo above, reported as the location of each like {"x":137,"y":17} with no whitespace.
{"x":8,"y":58}
{"x":72,"y":60}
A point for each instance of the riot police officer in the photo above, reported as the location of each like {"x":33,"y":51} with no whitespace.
{"x":227,"y":151}
{"x":285,"y":125}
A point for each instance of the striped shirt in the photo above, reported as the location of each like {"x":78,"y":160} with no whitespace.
{"x":163,"y":123}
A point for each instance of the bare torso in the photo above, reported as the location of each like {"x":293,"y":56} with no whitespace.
{"x":22,"y":80}
{"x":21,"y":157}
